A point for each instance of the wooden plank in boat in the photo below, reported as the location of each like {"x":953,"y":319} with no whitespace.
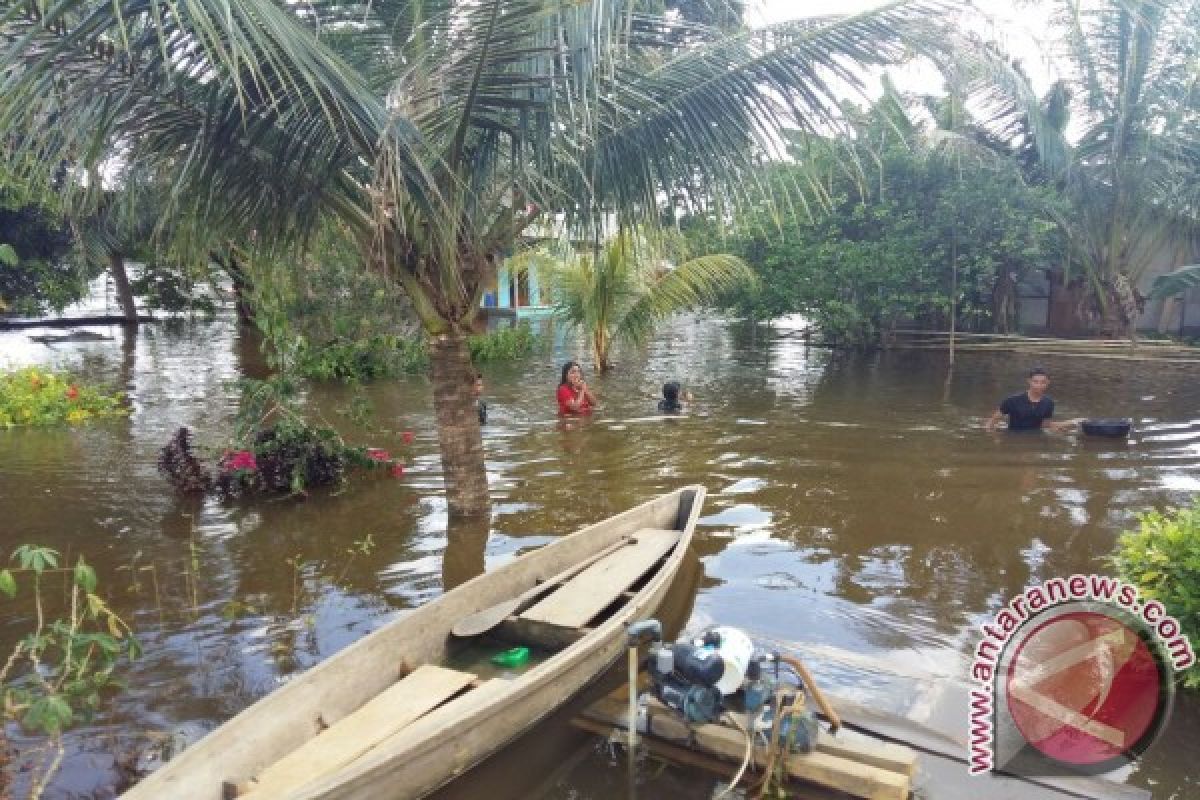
{"x":596,"y":588}
{"x":529,"y":632}
{"x":416,"y":694}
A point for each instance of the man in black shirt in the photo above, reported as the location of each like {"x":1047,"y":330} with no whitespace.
{"x":1029,"y":409}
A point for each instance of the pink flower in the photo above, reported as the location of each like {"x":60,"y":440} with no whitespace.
{"x":72,"y":392}
{"x":378,"y":454}
{"x":242,"y":459}
{"x":407,"y":436}
{"x":397,"y":470}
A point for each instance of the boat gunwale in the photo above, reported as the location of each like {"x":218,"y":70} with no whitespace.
{"x":243,"y":729}
{"x":561,"y":662}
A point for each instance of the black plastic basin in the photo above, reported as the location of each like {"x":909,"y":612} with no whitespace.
{"x":1108,"y":427}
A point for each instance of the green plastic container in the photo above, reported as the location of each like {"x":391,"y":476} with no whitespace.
{"x":515,"y":657}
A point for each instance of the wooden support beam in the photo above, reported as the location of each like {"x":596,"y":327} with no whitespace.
{"x":851,"y":764}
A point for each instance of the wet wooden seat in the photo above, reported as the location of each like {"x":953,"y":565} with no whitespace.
{"x":580,"y":599}
{"x":386,"y":714}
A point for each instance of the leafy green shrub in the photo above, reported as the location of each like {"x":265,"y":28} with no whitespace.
{"x":172,"y":289}
{"x":36,"y":276}
{"x":1162,"y":559}
{"x":58,"y":674}
{"x":35,"y":396}
{"x":506,"y":344}
{"x":350,"y":359}
{"x":385,"y":355}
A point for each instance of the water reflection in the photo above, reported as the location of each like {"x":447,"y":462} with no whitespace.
{"x":855,"y":507}
{"x":463,"y":559}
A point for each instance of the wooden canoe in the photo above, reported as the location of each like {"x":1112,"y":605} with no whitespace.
{"x":388,"y":718}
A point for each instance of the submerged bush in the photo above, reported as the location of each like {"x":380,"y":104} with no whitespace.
{"x":35,"y":396}
{"x":181,"y":466}
{"x":347,"y":359}
{"x":385,"y":355}
{"x":505,"y":344}
{"x":287,"y":455}
{"x":1162,"y":558}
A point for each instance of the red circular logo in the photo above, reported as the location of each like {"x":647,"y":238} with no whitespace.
{"x":1083,"y":689}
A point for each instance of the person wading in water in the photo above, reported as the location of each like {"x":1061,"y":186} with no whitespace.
{"x":574,"y":396}
{"x":1030,"y":409}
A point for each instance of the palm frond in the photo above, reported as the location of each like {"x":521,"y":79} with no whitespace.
{"x":695,"y":124}
{"x":687,"y":287}
{"x":1176,"y":282}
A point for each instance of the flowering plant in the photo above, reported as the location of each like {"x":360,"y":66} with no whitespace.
{"x":285,"y":456}
{"x":36,"y":396}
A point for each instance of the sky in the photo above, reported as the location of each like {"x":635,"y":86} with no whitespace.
{"x":1020,"y":27}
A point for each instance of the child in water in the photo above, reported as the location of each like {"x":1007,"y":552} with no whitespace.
{"x":481,"y":404}
{"x":674,"y":398}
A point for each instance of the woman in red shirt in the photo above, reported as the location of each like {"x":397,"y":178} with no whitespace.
{"x":574,"y":396}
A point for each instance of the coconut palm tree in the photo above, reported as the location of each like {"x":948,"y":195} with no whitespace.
{"x":431,"y":133}
{"x":1132,"y":176}
{"x":627,"y":288}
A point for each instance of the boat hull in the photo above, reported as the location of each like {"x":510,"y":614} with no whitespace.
{"x":452,"y":738}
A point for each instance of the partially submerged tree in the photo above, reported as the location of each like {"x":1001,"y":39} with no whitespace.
{"x":622,"y":292}
{"x":429,"y":133}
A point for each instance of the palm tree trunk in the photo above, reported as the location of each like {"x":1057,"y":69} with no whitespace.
{"x":600,"y":346}
{"x":116,"y":268}
{"x":5,"y":773}
{"x":458,"y":426}
{"x":241,"y":287}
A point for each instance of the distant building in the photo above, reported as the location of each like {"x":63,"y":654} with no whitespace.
{"x":516,"y":292}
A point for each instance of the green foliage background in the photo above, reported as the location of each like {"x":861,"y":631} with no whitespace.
{"x":868,"y":227}
{"x":41,"y":278}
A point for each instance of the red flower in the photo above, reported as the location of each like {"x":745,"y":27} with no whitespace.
{"x":242,"y":459}
{"x":397,"y":470}
{"x":407,"y":436}
{"x":72,"y":392}
{"x":378,"y":454}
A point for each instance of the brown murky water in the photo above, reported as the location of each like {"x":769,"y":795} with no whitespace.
{"x":856,"y":513}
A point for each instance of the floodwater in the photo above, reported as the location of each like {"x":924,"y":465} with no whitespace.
{"x":856,"y":514}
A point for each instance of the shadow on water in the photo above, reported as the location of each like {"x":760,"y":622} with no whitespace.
{"x":856,"y":512}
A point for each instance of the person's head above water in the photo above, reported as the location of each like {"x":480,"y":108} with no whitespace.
{"x":671,"y":397}
{"x":566,"y":372}
{"x":1038,"y":381}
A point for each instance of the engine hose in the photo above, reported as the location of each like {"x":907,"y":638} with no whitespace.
{"x":745,"y":761}
{"x":835,"y":721}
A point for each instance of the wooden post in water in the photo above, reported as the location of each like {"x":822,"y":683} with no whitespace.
{"x":633,"y":674}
